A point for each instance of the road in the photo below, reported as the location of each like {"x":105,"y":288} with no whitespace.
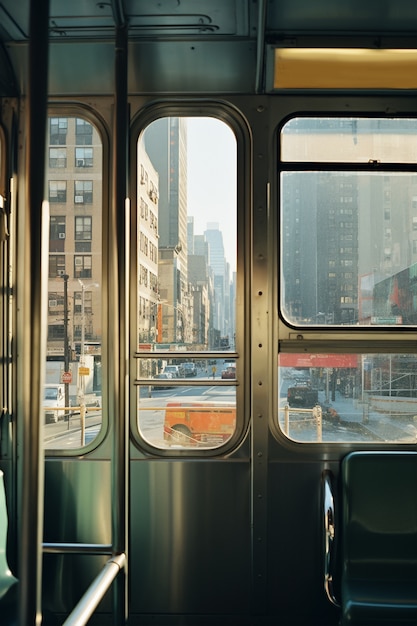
{"x":344,"y":419}
{"x":153,"y":400}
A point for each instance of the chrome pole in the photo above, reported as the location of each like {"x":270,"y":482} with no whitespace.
{"x":33,"y":336}
{"x":120,"y":331}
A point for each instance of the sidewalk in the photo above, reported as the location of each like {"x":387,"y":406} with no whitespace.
{"x":359,"y":415}
{"x":62,"y":426}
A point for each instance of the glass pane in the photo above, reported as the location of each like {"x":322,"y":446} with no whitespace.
{"x":186,"y":269}
{"x":348,"y":397}
{"x":349,"y":248}
{"x":349,"y":140}
{"x":198,"y":417}
{"x":74,"y":344}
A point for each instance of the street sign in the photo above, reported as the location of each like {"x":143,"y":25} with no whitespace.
{"x":66,"y":377}
{"x":387,"y":320}
{"x":83,"y":371}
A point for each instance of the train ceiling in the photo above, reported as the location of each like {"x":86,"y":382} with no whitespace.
{"x":190,"y":46}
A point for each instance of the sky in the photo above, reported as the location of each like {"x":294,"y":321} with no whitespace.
{"x":211,"y":179}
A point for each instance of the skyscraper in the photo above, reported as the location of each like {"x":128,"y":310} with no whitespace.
{"x":166,"y":145}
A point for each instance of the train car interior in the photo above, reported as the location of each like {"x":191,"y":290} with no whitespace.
{"x":208,"y":312}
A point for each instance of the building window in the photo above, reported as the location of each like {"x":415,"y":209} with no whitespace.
{"x":83,"y":157}
{"x":55,"y":303}
{"x":57,"y":227}
{"x":143,"y":246}
{"x":143,"y":276}
{"x":83,"y":228}
{"x":144,"y":210}
{"x":55,"y":332}
{"x":83,"y":192}
{"x":57,"y":191}
{"x":56,"y":265}
{"x":82,"y":266}
{"x":153,"y":220}
{"x":57,"y":157}
{"x":88,"y":302}
{"x":58,"y":129}
{"x":83,"y":133}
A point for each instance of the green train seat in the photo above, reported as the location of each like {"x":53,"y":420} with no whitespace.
{"x":378,"y":538}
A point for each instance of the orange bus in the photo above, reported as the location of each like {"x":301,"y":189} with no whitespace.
{"x":197,"y":423}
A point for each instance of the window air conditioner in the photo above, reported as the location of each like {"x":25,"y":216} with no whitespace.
{"x":80,"y":162}
{"x":61,"y":236}
{"x":79,"y":199}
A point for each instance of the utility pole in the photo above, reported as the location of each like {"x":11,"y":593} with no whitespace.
{"x":66,"y":343}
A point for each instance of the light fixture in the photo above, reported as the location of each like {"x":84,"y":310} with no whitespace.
{"x":344,"y":68}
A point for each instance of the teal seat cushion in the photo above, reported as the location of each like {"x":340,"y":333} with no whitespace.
{"x":379,"y":538}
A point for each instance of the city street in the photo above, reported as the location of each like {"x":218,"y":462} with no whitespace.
{"x":347,"y":419}
{"x":153,"y":400}
{"x":343,"y":419}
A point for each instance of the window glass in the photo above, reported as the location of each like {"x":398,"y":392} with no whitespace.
{"x":348,"y":236}
{"x":348,"y":397}
{"x":350,"y":140}
{"x":72,"y":398}
{"x":186,"y":283}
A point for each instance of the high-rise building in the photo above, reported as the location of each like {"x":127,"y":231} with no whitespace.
{"x":147,"y":248}
{"x":74,"y":172}
{"x":165,"y":141}
{"x":221,"y":320}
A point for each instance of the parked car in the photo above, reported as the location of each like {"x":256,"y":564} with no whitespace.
{"x":54,"y":402}
{"x":302,"y":395}
{"x":189,"y":369}
{"x":174,"y":370}
{"x":229,"y":372}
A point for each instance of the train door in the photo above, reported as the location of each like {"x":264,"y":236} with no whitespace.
{"x":191,"y":286}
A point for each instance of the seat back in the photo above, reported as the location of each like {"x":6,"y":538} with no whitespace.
{"x":379,"y":538}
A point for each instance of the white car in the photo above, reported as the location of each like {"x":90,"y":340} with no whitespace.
{"x":174,"y":370}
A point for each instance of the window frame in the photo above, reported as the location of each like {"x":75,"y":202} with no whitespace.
{"x":328,"y":339}
{"x":333,"y":166}
{"x":231,"y":117}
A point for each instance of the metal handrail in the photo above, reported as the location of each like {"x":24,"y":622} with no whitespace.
{"x":85,"y":608}
{"x":77,"y":548}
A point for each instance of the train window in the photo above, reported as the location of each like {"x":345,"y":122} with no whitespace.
{"x":347,"y":222}
{"x":348,"y":397}
{"x":186,"y":283}
{"x":72,"y":395}
{"x":348,"y":203}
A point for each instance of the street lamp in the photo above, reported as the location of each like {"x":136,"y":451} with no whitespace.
{"x":83,"y":288}
{"x":66,"y":343}
{"x":81,"y":375}
{"x":175,"y":322}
